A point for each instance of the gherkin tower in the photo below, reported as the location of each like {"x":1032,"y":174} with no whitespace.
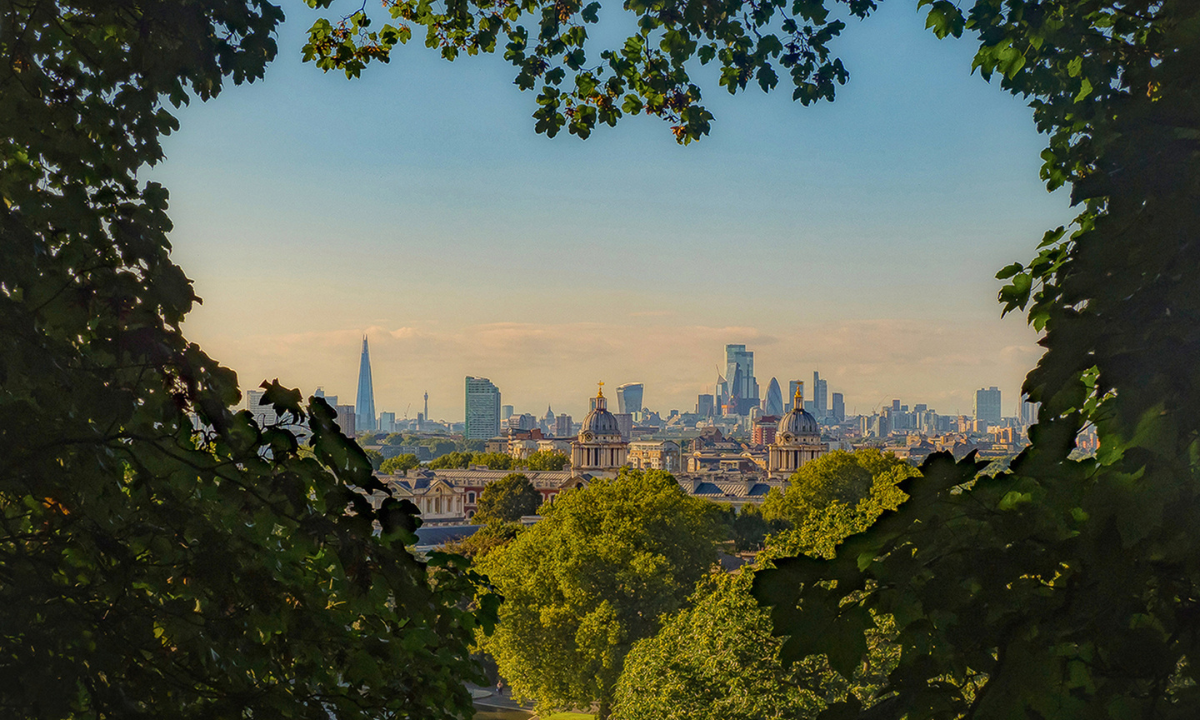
{"x":364,"y":408}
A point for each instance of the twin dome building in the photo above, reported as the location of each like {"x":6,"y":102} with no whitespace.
{"x":600,"y":446}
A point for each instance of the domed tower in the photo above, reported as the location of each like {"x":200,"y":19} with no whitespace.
{"x":797,"y":439}
{"x":599,"y":446}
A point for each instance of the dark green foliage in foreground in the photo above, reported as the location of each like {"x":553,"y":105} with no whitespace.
{"x":593,"y":577}
{"x":148,"y":569}
{"x":507,"y":500}
{"x":1066,"y":586}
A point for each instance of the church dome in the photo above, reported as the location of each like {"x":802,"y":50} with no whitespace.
{"x":600,"y":424}
{"x":798,"y":424}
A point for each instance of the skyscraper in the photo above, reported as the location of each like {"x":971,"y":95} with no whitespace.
{"x":704,"y":405}
{"x":793,"y":385}
{"x":820,"y":396}
{"x":739,"y":365}
{"x":562,"y":426}
{"x":365,"y":406}
{"x":629,"y":398}
{"x":483,"y":409}
{"x":987,"y":405}
{"x":838,"y":409}
{"x":774,"y":399}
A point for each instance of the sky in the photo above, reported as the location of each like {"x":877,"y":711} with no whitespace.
{"x":417,"y":205}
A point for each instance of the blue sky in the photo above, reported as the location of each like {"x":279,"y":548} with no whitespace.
{"x":417,"y":204}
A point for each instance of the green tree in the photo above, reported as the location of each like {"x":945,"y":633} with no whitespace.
{"x":507,"y":500}
{"x":866,"y":476}
{"x":399,"y":464}
{"x":493,"y":460}
{"x":717,"y":659}
{"x":545,"y":460}
{"x":438,"y":448}
{"x":375,"y":458}
{"x":451,"y":460}
{"x":160,"y":554}
{"x":486,"y":539}
{"x":594,"y":576}
{"x":749,"y":528}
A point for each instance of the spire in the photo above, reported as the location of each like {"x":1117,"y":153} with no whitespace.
{"x":364,"y":409}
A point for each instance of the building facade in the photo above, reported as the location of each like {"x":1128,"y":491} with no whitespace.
{"x":482,"y":409}
{"x":655,"y":455}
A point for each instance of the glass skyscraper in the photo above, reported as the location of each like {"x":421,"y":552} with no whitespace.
{"x":364,"y":408}
{"x":739,"y":368}
{"x":987,"y":405}
{"x":629,"y":398}
{"x":483,"y":409}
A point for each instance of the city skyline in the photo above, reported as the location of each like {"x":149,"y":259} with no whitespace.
{"x":577,"y":405}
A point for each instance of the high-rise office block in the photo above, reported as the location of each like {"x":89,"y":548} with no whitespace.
{"x":387,"y":422}
{"x":562,"y":426}
{"x":629,"y":398}
{"x":365,"y":404}
{"x":625,"y":425}
{"x":704,"y":405}
{"x":793,"y":386}
{"x":739,"y":367}
{"x":774,"y":406}
{"x":331,"y":399}
{"x":838,"y":408}
{"x":346,"y":418}
{"x":506,"y":411}
{"x":820,"y":396}
{"x":483,"y":409}
{"x":987,"y":405}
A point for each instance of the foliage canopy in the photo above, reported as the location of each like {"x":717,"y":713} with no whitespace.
{"x":590,"y":579}
{"x":507,"y":500}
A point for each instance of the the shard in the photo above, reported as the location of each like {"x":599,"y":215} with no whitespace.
{"x":364,"y":409}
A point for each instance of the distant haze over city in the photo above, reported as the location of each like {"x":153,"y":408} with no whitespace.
{"x":869,"y":363}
